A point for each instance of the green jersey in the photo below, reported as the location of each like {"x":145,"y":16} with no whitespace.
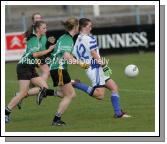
{"x":64,"y":44}
{"x":43,"y":40}
{"x":34,"y":44}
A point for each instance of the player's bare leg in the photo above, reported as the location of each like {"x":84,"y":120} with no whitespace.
{"x":99,"y":93}
{"x":69,"y":94}
{"x":45,"y":71}
{"x":35,"y":90}
{"x":24,"y":86}
{"x":45,"y":75}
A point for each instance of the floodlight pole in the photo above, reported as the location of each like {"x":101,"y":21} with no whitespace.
{"x":138,"y":20}
{"x":96,"y":10}
{"x":23,"y":21}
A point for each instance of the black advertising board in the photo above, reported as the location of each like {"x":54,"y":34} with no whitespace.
{"x":121,"y":38}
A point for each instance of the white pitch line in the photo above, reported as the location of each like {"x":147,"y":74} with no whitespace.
{"x":126,"y":90}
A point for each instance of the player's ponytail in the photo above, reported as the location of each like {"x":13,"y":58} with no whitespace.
{"x":70,"y":23}
{"x":29,"y":32}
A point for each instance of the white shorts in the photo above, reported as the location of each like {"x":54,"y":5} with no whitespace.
{"x":96,"y":76}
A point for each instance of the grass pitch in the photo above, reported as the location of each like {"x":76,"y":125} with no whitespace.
{"x":86,"y":114}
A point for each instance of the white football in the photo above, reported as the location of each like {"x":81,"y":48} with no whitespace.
{"x":131,"y":70}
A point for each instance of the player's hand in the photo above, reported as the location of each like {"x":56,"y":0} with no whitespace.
{"x":51,"y":48}
{"x":107,"y":70}
{"x":84,"y":65}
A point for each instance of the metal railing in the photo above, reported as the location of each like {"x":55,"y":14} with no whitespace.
{"x":136,"y":13}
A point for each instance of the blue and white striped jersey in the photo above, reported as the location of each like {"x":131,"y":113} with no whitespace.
{"x":83,"y":47}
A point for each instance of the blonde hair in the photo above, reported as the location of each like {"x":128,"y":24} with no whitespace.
{"x":70,"y":23}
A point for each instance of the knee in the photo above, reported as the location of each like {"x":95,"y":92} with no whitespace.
{"x":72,"y":95}
{"x":100,"y":96}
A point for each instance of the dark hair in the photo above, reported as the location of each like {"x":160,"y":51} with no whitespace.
{"x":70,"y":23}
{"x":29,"y":33}
{"x":83,"y":22}
{"x":33,"y":15}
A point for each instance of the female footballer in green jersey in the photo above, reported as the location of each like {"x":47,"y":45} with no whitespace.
{"x":42,"y":66}
{"x":59,"y":68}
{"x":26,"y":72}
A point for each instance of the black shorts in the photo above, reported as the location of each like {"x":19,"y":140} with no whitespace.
{"x":26,"y":72}
{"x":60,"y":77}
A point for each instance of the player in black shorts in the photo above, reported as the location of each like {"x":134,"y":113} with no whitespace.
{"x":26,"y":72}
{"x":61,"y":57}
{"x":43,"y":66}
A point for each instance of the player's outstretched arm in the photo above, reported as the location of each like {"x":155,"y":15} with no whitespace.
{"x":44,"y":52}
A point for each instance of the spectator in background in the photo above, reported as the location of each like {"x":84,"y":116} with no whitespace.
{"x":65,"y":8}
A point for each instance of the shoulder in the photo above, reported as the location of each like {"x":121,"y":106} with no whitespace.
{"x":43,"y":36}
{"x":32,"y":39}
{"x":83,"y":38}
{"x":92,"y":37}
{"x":66,"y":38}
{"x":89,"y":38}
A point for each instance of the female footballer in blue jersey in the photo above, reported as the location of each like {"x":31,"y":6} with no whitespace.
{"x":86,"y":49}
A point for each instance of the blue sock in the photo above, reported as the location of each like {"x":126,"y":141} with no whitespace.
{"x":83,"y":87}
{"x":115,"y":100}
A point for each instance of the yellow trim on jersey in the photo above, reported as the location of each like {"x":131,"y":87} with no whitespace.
{"x":60,"y":73}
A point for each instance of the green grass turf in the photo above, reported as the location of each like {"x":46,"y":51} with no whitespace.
{"x":86,"y":114}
